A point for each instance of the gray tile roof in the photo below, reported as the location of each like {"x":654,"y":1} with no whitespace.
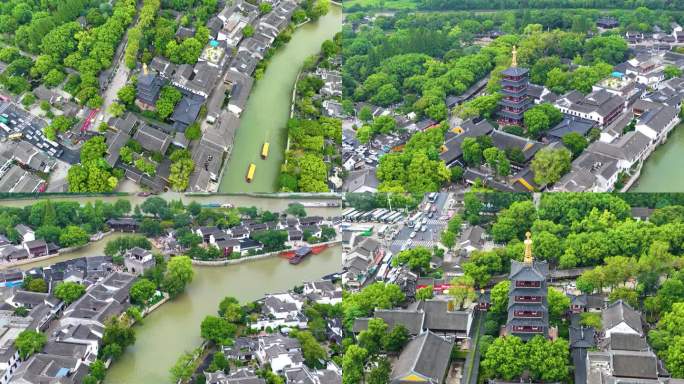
{"x":152,"y":139}
{"x":618,"y":312}
{"x":427,"y":355}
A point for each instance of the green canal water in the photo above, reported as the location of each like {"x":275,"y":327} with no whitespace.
{"x":662,"y":172}
{"x":174,"y":328}
{"x":268,"y":109}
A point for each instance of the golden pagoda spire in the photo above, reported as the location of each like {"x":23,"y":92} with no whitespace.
{"x":514,"y":61}
{"x":528,"y":248}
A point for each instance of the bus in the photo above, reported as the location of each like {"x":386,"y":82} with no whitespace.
{"x":382,"y":230}
{"x":366,"y":216}
{"x":250,"y":173}
{"x":384,"y":217}
{"x":379,"y":213}
{"x":394,"y":218}
{"x":414,"y":219}
{"x":354,"y":216}
{"x":382,"y":272}
{"x":347,"y":214}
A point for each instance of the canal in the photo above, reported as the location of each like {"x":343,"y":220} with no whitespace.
{"x":174,"y":328}
{"x":661,"y":172}
{"x":268,"y":108}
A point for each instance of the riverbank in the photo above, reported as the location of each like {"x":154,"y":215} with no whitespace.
{"x":224,"y":262}
{"x":660,"y":172}
{"x":174,"y":327}
{"x":266,"y":114}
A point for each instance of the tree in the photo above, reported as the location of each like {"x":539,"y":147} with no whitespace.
{"x":98,"y":369}
{"x":296,"y":209}
{"x":353,"y":362}
{"x":230,"y":309}
{"x":591,"y":319}
{"x":417,"y":259}
{"x":472,"y":151}
{"x":505,"y":358}
{"x":550,"y":164}
{"x":558,"y":304}
{"x":69,"y":291}
{"x":35,"y":285}
{"x":462,"y":290}
{"x":248,"y":31}
{"x":168,"y":98}
{"x":547,"y":360}
{"x":184,"y":367}
{"x":575,"y":142}
{"x":365,"y":114}
{"x":499,"y":297}
{"x":73,"y":236}
{"x":193,"y":132}
{"x":381,"y":373}
{"x":424,"y":293}
{"x":395,"y":340}
{"x":672,"y":71}
{"x":142,"y":290}
{"x":273,"y":240}
{"x":179,"y":273}
{"x":313,"y":352}
{"x":29,"y":342}
{"x":127,"y":94}
{"x":448,"y":239}
{"x":117,"y":336}
{"x":627,"y":295}
{"x":217,"y":330}
{"x":536,"y":121}
{"x":371,"y":339}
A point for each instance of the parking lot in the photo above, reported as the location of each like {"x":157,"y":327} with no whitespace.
{"x":18,"y":124}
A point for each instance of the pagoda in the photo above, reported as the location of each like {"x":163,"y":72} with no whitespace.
{"x":528,"y":313}
{"x":515,"y":100}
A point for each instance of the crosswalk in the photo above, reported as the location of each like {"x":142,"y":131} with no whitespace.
{"x":397,"y":244}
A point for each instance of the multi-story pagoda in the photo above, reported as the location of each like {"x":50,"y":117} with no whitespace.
{"x":528,"y":313}
{"x":515,"y":100}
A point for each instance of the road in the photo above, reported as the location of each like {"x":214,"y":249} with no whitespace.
{"x":434,"y":227}
{"x":117,"y":82}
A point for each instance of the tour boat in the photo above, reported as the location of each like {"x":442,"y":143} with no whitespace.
{"x":264,"y":150}
{"x":250,"y":172}
{"x":300,"y":254}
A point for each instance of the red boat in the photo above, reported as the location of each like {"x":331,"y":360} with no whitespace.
{"x":300,"y":254}
{"x":319,"y":248}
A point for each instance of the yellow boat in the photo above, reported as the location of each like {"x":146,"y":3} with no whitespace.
{"x":250,"y":172}
{"x":264,"y":151}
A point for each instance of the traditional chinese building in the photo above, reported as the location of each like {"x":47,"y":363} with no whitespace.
{"x":528,"y":313}
{"x":515,"y":100}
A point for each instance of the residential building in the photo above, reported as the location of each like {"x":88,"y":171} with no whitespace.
{"x":600,"y":106}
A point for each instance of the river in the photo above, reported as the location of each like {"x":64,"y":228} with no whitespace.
{"x":268,"y":109}
{"x":662,"y":171}
{"x":174,"y":328}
